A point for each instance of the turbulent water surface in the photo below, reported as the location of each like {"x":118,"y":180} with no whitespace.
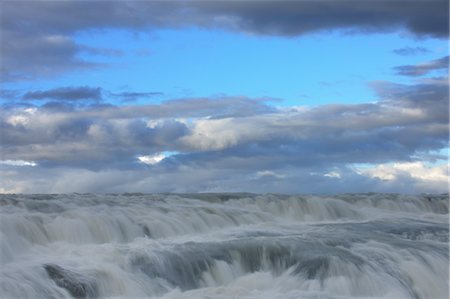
{"x":224,"y":246}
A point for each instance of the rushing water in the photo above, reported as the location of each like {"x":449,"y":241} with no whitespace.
{"x":224,"y":246}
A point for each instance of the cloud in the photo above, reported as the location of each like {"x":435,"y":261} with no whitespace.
{"x":386,"y":130}
{"x":300,"y":17}
{"x":228,"y":143}
{"x":409,"y":51}
{"x":17,"y":163}
{"x":406,"y":120}
{"x":28,"y":55}
{"x":109,"y":137}
{"x":424,"y":68}
{"x":413,"y":169}
{"x":66,"y":94}
{"x":189,"y":178}
{"x":222,"y":143}
{"x":268,"y":17}
{"x":101,"y":51}
{"x":152,"y":159}
{"x":333,"y":174}
{"x":218,"y":107}
{"x":37,"y":41}
{"x":134,"y":96}
{"x":415,"y":174}
{"x":94,"y":96}
{"x":269,"y":174}
{"x":427,"y":96}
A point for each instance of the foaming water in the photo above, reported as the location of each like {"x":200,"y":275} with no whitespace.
{"x":224,"y":246}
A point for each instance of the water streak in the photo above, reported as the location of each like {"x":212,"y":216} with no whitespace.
{"x":224,"y":246}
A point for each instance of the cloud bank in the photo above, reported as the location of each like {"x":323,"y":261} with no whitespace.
{"x":45,"y":31}
{"x":231,"y":144}
{"x":72,"y":139}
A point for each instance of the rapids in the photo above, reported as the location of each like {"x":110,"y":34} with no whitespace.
{"x":180,"y":246}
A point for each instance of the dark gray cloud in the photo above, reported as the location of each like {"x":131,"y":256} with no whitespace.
{"x":299,"y":17}
{"x":424,"y":68}
{"x":409,"y":51}
{"x":37,"y":36}
{"x":25,"y":56}
{"x":66,"y":94}
{"x":265,"y":17}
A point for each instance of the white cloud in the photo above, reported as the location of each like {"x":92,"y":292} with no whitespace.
{"x":17,"y":120}
{"x":268,"y":173}
{"x":415,"y":170}
{"x":333,"y":174}
{"x":17,"y":163}
{"x":22,"y":118}
{"x":215,"y":134}
{"x":152,"y":159}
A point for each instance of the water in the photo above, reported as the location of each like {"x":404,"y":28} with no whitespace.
{"x":224,"y":246}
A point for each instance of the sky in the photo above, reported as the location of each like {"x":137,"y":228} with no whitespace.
{"x":224,"y":96}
